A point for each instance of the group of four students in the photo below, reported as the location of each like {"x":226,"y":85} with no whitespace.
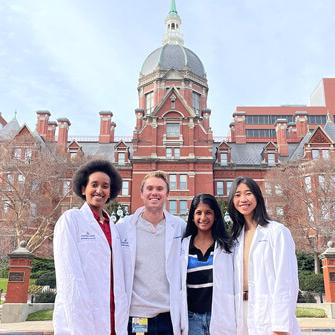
{"x":149,"y":274}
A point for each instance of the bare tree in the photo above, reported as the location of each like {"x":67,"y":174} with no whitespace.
{"x":34,"y":190}
{"x":301,"y":194}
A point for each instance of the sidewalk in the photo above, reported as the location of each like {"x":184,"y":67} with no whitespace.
{"x":45,"y":327}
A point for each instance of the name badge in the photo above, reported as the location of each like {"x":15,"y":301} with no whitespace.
{"x":139,"y":325}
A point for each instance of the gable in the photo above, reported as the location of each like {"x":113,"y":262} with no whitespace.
{"x":74,"y":145}
{"x":223,"y":146}
{"x":270,"y":147}
{"x":173,"y":102}
{"x":319,"y":136}
{"x":24,"y":135}
{"x":121,"y":146}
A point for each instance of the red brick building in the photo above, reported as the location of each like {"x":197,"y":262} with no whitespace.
{"x":172,"y":130}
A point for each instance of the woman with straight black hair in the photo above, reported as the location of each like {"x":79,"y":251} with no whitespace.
{"x":207,"y":272}
{"x":265,"y":265}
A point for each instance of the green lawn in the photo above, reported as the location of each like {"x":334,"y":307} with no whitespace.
{"x":304,"y":312}
{"x":3,"y":283}
{"x":40,"y":315}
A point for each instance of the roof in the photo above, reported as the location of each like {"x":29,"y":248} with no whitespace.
{"x":173,"y":56}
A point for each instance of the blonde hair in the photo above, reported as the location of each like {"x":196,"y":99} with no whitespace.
{"x":156,"y":174}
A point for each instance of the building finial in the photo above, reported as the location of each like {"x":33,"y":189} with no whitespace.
{"x":173,"y":34}
{"x":173,"y":8}
{"x":329,"y":120}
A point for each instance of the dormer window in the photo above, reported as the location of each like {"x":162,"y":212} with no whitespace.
{"x":121,"y":158}
{"x":17,"y":153}
{"x":28,"y":154}
{"x":223,"y":159}
{"x":271,"y":159}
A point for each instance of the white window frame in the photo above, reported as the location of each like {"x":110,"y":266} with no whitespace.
{"x":173,"y":209}
{"x":125,"y":187}
{"x":173,"y":182}
{"x":223,"y":159}
{"x":219,"y":188}
{"x":172,"y":129}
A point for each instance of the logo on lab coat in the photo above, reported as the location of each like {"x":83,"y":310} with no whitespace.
{"x":87,"y":236}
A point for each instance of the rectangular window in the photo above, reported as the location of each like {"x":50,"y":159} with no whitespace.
{"x":168,"y":152}
{"x":28,"y":154}
{"x":172,"y":130}
{"x":196,"y":102}
{"x":183,"y":182}
{"x":121,"y":158}
{"x":322,"y":182}
{"x":125,"y":188}
{"x":228,"y":184}
{"x":17,"y":153}
{"x":176,"y":153}
{"x":149,"y":102}
{"x":278,"y":189}
{"x":308,"y":184}
{"x":223,"y":159}
{"x":310,"y":211}
{"x":219,"y":188}
{"x":268,"y":189}
{"x":183,"y":206}
{"x":280,"y":211}
{"x":173,"y":182}
{"x":325,"y":154}
{"x":271,"y":159}
{"x":21,"y":179}
{"x":315,"y":154}
{"x":173,"y":206}
{"x":66,"y":187}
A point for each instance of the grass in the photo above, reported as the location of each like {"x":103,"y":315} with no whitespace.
{"x":3,"y":283}
{"x":307,"y":312}
{"x":45,"y":315}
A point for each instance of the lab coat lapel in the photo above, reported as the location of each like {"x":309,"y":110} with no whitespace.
{"x":89,"y":217}
{"x":169,"y":237}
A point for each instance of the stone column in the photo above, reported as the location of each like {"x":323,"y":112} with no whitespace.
{"x":328,"y":266}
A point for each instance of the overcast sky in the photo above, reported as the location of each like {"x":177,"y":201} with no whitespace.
{"x":78,"y":57}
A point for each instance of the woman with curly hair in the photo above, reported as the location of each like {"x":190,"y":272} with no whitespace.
{"x":90,"y":297}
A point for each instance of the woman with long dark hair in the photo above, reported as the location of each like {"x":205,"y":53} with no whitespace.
{"x":266,"y":277}
{"x":207,"y":272}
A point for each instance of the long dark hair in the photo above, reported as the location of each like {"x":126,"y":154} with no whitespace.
{"x":260,"y":214}
{"x":219,"y":232}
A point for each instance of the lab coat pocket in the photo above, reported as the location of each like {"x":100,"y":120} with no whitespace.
{"x":223,"y":320}
{"x":262,"y":310}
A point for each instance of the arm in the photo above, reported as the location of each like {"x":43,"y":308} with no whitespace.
{"x":286,"y":281}
{"x":72,"y":289}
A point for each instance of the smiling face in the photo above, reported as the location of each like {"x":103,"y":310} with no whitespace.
{"x":204,"y":217}
{"x":244,"y":201}
{"x":97,"y":190}
{"x":154,"y":193}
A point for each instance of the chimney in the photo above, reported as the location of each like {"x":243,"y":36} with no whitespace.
{"x":239,"y":121}
{"x":52,"y":125}
{"x":63,"y":131}
{"x":232,"y":132}
{"x":42,"y":123}
{"x":206,"y":113}
{"x":301,"y":124}
{"x":292,"y":132}
{"x":105,"y":126}
{"x":112,"y":130}
{"x":281,"y":126}
{"x":139,"y":112}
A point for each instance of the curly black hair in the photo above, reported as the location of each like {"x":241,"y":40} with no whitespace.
{"x":80,"y":178}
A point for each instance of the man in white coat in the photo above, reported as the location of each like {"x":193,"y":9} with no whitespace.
{"x":151,"y":244}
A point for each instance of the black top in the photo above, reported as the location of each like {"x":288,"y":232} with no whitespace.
{"x":199,"y":279}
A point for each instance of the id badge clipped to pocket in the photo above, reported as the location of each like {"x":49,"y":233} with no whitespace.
{"x":139,"y":326}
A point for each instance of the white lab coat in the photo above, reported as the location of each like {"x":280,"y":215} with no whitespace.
{"x":223,"y":319}
{"x":83,"y":267}
{"x":174,"y":231}
{"x":272,"y":279}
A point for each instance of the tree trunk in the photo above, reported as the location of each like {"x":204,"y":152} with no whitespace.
{"x":316,"y":263}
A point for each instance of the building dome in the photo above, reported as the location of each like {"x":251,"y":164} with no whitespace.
{"x":173,"y":56}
